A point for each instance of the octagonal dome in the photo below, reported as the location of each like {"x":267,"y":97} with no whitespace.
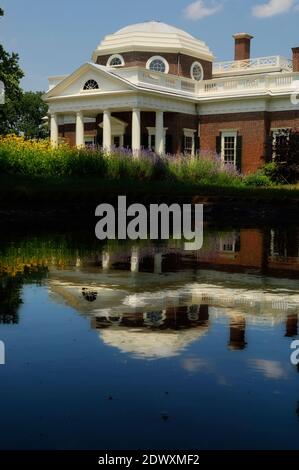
{"x":153,"y":36}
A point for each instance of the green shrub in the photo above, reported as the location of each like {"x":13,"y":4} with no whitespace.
{"x":258,"y":179}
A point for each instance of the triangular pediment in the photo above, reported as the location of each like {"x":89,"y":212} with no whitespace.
{"x":73,"y":85}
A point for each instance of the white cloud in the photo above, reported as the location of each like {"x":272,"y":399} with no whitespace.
{"x":200,"y":9}
{"x":272,"y":8}
{"x":270,"y":369}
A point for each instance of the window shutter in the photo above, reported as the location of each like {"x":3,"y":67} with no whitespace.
{"x":239,"y":153}
{"x":168,"y":143}
{"x":218,"y":144}
{"x":183,"y":144}
{"x":197,"y":144}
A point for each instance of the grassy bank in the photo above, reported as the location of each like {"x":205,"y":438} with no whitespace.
{"x":24,"y":189}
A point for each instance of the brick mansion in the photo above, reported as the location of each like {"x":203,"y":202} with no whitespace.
{"x":152,"y":85}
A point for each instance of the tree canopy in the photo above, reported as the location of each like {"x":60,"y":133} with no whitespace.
{"x":22,"y":111}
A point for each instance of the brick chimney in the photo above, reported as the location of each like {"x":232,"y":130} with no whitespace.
{"x":295,"y":59}
{"x":242,"y":46}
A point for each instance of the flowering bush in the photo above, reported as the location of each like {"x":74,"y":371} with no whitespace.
{"x":38,"y":158}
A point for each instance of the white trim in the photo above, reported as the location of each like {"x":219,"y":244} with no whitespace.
{"x":195,"y":64}
{"x":115,"y":56}
{"x":189,"y":132}
{"x":157,"y":57}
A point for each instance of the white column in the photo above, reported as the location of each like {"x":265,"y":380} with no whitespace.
{"x":159,"y":133}
{"x":106,"y":260}
{"x":54,"y":130}
{"x":80,"y":129}
{"x":135,"y":260}
{"x":107,"y":137}
{"x":158,"y":260}
{"x":136,"y":132}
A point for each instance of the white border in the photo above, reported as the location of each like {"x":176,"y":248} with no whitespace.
{"x":192,"y":71}
{"x":157,"y":57}
{"x":115,"y":56}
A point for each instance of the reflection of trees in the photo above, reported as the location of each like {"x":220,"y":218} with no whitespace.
{"x":10,"y":299}
{"x":10,"y":291}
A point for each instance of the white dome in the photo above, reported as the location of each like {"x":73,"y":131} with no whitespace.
{"x":153,"y":36}
{"x":153,"y":27}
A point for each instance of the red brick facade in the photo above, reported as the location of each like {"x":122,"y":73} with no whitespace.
{"x":253,"y":127}
{"x":179,"y":64}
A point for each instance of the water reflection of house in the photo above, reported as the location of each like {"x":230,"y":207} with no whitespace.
{"x":150,"y":335}
{"x":262,"y":251}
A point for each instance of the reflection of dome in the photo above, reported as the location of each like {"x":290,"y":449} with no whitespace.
{"x":150,"y":344}
{"x":153,"y":36}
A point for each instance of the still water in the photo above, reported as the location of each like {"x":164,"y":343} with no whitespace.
{"x":139,"y":346}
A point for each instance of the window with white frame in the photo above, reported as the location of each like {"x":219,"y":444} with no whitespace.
{"x":158,"y":64}
{"x":197,"y":71}
{"x":116,"y":60}
{"x":189,"y":141}
{"x":229,"y":147}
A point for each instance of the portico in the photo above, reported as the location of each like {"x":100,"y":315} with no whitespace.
{"x":113,"y":127}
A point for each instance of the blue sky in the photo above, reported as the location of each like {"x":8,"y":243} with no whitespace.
{"x":56,"y":36}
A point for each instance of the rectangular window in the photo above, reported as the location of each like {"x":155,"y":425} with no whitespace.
{"x":188,"y":147}
{"x":229,"y":147}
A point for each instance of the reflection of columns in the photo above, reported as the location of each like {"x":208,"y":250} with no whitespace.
{"x":159,"y":133}
{"x":136,"y":132}
{"x":237,"y":334}
{"x":106,"y":260}
{"x":54,"y":130}
{"x":107,"y":138}
{"x":158,"y":259}
{"x":79,"y":129}
{"x":135,"y":260}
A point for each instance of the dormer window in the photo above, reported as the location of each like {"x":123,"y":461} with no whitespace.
{"x":116,"y":60}
{"x":91,"y":85}
{"x":197,"y":71}
{"x":158,"y":64}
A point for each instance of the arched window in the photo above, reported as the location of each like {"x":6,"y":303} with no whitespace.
{"x":197,"y":71}
{"x":115,"y":60}
{"x":158,"y":64}
{"x":91,"y":85}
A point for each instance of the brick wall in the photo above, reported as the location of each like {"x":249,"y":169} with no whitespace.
{"x":179,"y":64}
{"x":253,"y":127}
{"x":284,"y":119}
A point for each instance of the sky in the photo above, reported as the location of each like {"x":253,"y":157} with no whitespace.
{"x":56,"y":37}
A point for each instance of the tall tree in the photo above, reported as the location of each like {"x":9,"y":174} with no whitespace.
{"x":11,"y":75}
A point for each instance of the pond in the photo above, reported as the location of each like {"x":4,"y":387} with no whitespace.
{"x":142,"y":346}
